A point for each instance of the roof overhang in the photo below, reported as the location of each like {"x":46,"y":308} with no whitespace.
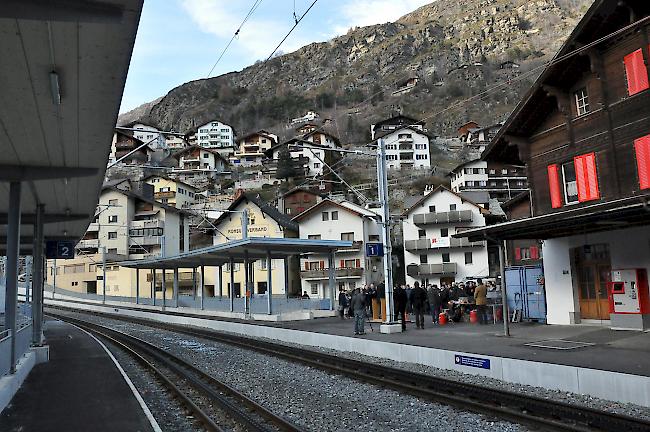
{"x":619,"y":214}
{"x":252,"y":248}
{"x":62,"y":75}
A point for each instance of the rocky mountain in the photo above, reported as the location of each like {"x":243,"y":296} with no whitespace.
{"x":486,"y":50}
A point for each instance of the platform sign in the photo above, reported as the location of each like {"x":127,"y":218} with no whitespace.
{"x":477,"y":362}
{"x":59,"y":249}
{"x":374,"y":250}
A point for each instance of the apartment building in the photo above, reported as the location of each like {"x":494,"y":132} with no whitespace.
{"x":330,"y":220}
{"x":431,"y":255}
{"x":501,"y":181}
{"x":252,"y":147}
{"x":407,"y":142}
{"x":148,"y":134}
{"x":197,"y":165}
{"x":214,"y":134}
{"x":131,"y":150}
{"x":172,"y":192}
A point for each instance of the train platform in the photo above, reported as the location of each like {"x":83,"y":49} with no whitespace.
{"x":584,"y":359}
{"x":79,"y":389}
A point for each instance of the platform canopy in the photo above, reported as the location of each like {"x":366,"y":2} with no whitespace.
{"x":62,"y":74}
{"x":252,"y":248}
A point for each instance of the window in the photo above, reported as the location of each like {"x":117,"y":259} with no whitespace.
{"x":493,"y":171}
{"x":351,"y":263}
{"x":635,"y":72}
{"x":112,"y":235}
{"x":423,"y":259}
{"x":287,"y":210}
{"x":112,"y":202}
{"x":444,"y":232}
{"x":468,"y":257}
{"x":313,"y":236}
{"x":316,"y":165}
{"x":326,"y":216}
{"x":111,"y":250}
{"x":504,"y":171}
{"x":206,"y":155}
{"x":432,"y":209}
{"x":335,"y":215}
{"x":422,"y":233}
{"x":314,"y":289}
{"x":452,"y":207}
{"x":569,"y":182}
{"x":373,"y":238}
{"x":445,"y":257}
{"x":263,"y":264}
{"x":348,"y":236}
{"x":582,"y":101}
{"x":112,"y":219}
{"x":642,"y":149}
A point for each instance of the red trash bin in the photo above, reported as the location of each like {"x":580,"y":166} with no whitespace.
{"x":473,"y":316}
{"x":442,"y":319}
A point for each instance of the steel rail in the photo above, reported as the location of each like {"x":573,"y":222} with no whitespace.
{"x":526,"y":409}
{"x":199,"y":379}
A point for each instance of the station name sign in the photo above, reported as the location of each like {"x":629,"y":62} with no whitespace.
{"x":251,"y":229}
{"x":476,"y":362}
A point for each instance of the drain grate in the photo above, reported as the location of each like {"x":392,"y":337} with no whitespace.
{"x":559,"y":344}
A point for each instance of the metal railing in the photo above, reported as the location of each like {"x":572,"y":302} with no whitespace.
{"x":426,"y":244}
{"x":443,"y":217}
{"x":415,"y":270}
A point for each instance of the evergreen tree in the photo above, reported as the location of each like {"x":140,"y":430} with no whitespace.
{"x":286,"y":168}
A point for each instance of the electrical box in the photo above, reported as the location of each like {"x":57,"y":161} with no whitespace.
{"x":629,"y":299}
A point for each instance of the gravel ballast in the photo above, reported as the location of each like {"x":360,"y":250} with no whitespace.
{"x":313,"y":399}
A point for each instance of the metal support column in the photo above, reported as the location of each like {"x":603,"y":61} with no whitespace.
{"x":231,"y":289}
{"x":104,"y":274}
{"x":331,"y":276}
{"x":29,"y":265}
{"x":246,"y":282}
{"x":194,"y":282}
{"x":38,"y":279}
{"x":54,"y":278}
{"x":153,"y":288}
{"x":13,"y":249}
{"x":220,"y":282}
{"x":137,"y":286}
{"x":286,"y":278}
{"x":504,"y":295}
{"x":269,"y":283}
{"x":202,"y":287}
{"x":164,"y":288}
{"x":382,"y":182}
{"x":175,"y":288}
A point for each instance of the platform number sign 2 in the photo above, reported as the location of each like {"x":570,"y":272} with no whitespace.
{"x":60,"y":249}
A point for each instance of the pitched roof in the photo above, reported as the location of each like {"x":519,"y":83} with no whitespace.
{"x":601,"y":19}
{"x":181,"y":152}
{"x":515,"y":200}
{"x":344,"y":205}
{"x":168,"y":179}
{"x":261,"y":133}
{"x":302,"y":189}
{"x":462,"y":165}
{"x":382,"y":133}
{"x":444,"y":189}
{"x":308,"y":134}
{"x":399,"y":120}
{"x":266,"y":208}
{"x":137,"y":196}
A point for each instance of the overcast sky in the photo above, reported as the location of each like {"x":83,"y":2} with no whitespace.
{"x":180,"y":40}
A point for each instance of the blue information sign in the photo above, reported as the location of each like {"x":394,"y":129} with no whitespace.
{"x":477,"y":362}
{"x":60,"y":249}
{"x":374,"y":250}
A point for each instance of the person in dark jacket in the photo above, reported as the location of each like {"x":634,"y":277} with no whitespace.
{"x":433,"y":294}
{"x":381,"y":296}
{"x":444,"y":297}
{"x":358,"y":304}
{"x":343,"y":303}
{"x":399,"y":300}
{"x":418,"y":301}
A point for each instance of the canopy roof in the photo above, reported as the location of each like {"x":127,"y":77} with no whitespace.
{"x":253,"y":248}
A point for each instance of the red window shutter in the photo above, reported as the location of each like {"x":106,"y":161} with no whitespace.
{"x":306,"y":265}
{"x":342,"y":263}
{"x":554,"y":186}
{"x":518,"y":254}
{"x":534,"y":252}
{"x":642,"y":148}
{"x":637,"y":74}
{"x":586,"y":177}
{"x":358,"y":263}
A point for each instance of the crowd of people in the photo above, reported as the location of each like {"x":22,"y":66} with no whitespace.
{"x":454,"y":301}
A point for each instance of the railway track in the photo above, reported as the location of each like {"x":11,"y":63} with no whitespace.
{"x":197,"y":390}
{"x":538,"y":413}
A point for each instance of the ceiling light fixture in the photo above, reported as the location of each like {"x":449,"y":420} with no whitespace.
{"x":55,"y":88}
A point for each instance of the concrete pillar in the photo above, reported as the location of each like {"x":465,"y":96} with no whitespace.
{"x":194,"y":282}
{"x":137,"y":286}
{"x":13,"y":248}
{"x":38,"y":279}
{"x":331,"y":273}
{"x":232,"y":285}
{"x":202,"y":287}
{"x":504,"y":295}
{"x":220,"y":282}
{"x":269,"y":284}
{"x":164,"y":288}
{"x":104,"y":274}
{"x":285,"y":262}
{"x":153,"y":288}
{"x":175,"y":293}
{"x":246,"y":284}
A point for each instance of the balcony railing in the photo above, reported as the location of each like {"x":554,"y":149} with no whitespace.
{"x":88,"y":244}
{"x":155,"y":223}
{"x":324,"y":273}
{"x":406,"y":147}
{"x":405,"y":139}
{"x":93,"y":227}
{"x":145,"y":241}
{"x":416,"y":270}
{"x":443,"y":217}
{"x":356,"y":246}
{"x":425,"y":244}
{"x":167,"y":194}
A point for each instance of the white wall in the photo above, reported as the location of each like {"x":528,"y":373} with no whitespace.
{"x":461,"y":178}
{"x":225,"y":135}
{"x":394,"y":155}
{"x":629,"y":248}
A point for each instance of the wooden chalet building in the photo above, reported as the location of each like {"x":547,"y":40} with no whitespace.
{"x":583,"y":133}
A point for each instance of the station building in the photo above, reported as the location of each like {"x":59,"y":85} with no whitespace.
{"x":583,"y":133}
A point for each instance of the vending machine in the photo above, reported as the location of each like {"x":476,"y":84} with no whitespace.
{"x":629,"y":300}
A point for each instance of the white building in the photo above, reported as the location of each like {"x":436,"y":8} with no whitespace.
{"x":407,"y":142}
{"x":149,"y":134}
{"x":500,"y":181}
{"x":176,"y":141}
{"x":252,"y":147}
{"x":309,"y":116}
{"x":172,"y":192}
{"x":330,"y":220}
{"x":430,"y":253}
{"x":215,"y":134}
{"x":197,"y":165}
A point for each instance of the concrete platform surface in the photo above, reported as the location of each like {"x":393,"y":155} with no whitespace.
{"x":612,"y":350}
{"x":79,"y":389}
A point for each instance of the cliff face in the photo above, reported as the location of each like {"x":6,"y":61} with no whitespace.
{"x":455,"y":50}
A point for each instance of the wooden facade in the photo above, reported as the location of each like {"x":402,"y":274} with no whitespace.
{"x":579,"y":127}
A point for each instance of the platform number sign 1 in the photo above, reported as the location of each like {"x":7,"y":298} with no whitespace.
{"x":60,"y":249}
{"x":374,"y":249}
